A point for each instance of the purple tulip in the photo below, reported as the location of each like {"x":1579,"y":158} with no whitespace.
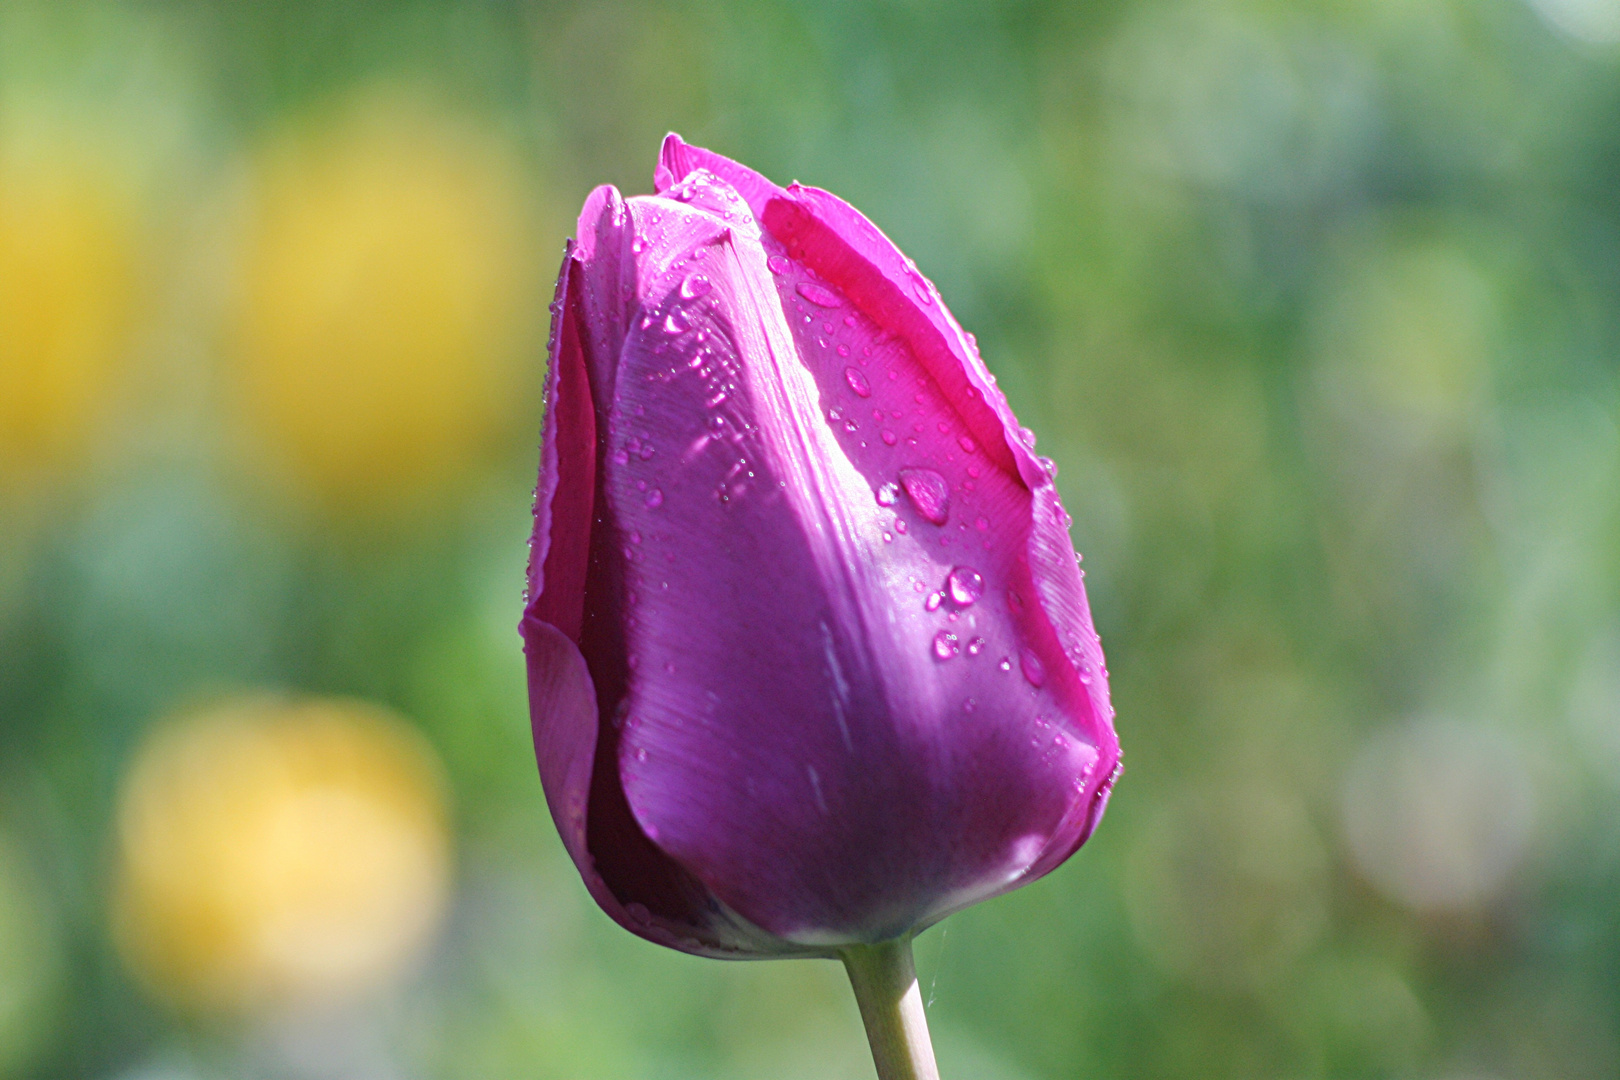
{"x":810,"y":661}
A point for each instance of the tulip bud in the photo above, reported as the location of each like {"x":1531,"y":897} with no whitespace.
{"x":810,"y":660}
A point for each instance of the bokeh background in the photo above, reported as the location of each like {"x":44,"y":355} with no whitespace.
{"x":1316,"y":303}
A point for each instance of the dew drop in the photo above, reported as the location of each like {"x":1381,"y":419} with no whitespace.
{"x":1005,"y":664}
{"x":982,"y":524}
{"x":900,"y":526}
{"x":694,"y":286}
{"x":857,"y":382}
{"x":818,"y":294}
{"x":779,"y":264}
{"x":889,"y":437}
{"x":655,"y":498}
{"x":976,"y":646}
{"x":969,"y":705}
{"x":1027,"y":436}
{"x":635,"y":536}
{"x":849,"y":320}
{"x":965,"y":584}
{"x":967,"y":444}
{"x":675,"y":323}
{"x":888,"y":494}
{"x":920,"y":287}
{"x":1015,"y":603}
{"x":1031,"y":665}
{"x":944,"y":645}
{"x":928,"y":493}
{"x":843,"y":350}
{"x":934,"y":600}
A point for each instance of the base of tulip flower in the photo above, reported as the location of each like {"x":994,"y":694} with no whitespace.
{"x":885,"y":982}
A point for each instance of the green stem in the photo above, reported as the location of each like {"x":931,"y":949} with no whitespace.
{"x":885,"y":982}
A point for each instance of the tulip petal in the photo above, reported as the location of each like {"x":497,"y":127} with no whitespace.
{"x":802,"y":717}
{"x":562,"y":504}
{"x":841,"y":245}
{"x":639,"y":886}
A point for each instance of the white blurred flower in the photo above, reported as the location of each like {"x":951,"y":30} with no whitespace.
{"x":1596,"y":22}
{"x":1439,"y":814}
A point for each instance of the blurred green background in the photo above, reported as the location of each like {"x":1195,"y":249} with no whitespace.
{"x":1316,"y":303}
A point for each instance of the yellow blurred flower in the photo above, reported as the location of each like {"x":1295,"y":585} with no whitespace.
{"x":68,"y":290}
{"x":389,"y":300}
{"x":273,"y":855}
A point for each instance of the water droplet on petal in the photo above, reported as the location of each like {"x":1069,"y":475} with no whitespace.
{"x":655,"y":498}
{"x":966,"y":585}
{"x":675,"y":323}
{"x":920,"y":286}
{"x":818,"y":294}
{"x":694,"y":286}
{"x":928,"y":493}
{"x":967,"y":444}
{"x":934,"y":600}
{"x":1027,"y":436}
{"x":889,"y":437}
{"x":843,"y":350}
{"x":976,"y":646}
{"x":982,"y":524}
{"x":1015,"y":603}
{"x":1005,"y":664}
{"x":888,"y":494}
{"x":857,"y":382}
{"x":944,"y":645}
{"x":1033,"y":669}
{"x":969,"y":705}
{"x":900,"y":526}
{"x":779,"y":264}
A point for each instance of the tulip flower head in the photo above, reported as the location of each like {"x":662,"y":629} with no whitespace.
{"x":810,"y":661}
